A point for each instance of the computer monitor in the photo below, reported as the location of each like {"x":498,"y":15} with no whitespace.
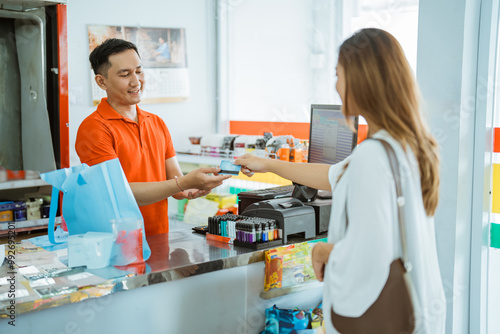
{"x":331,"y":140}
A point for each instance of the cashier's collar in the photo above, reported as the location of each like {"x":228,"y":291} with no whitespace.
{"x":107,"y":112}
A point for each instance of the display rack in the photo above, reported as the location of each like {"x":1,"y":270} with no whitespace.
{"x":17,"y":184}
{"x":291,"y":289}
{"x":25,"y":225}
{"x":199,"y":159}
{"x":215,"y":155}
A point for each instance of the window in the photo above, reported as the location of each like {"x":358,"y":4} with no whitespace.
{"x":277,"y":57}
{"x":400,"y":18}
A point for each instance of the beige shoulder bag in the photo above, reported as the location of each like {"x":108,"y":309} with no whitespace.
{"x":393,"y":311}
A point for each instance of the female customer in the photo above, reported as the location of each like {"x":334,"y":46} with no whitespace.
{"x":376,"y":82}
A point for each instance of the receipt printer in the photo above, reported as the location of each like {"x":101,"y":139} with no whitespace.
{"x":290,"y":213}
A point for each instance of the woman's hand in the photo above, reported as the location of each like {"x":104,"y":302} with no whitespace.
{"x":319,"y":257}
{"x":251,"y":164}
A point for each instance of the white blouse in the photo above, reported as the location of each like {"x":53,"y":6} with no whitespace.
{"x":359,"y":263}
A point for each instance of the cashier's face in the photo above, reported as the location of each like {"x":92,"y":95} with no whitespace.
{"x":124,"y":82}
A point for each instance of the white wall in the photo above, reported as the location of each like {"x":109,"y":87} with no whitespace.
{"x":279,"y":57}
{"x":193,"y":117}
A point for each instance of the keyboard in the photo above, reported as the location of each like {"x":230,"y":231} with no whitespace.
{"x":268,"y":193}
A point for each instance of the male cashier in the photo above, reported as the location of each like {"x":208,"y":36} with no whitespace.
{"x":140,"y":140}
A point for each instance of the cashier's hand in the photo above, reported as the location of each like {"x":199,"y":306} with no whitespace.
{"x":251,"y":164}
{"x":193,"y":193}
{"x":202,"y":179}
{"x":319,"y":257}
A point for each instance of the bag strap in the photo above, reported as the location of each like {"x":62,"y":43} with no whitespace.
{"x":110,"y":189}
{"x":54,"y":200}
{"x":400,"y":200}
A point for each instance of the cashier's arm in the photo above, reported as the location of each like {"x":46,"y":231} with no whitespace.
{"x":197,"y":183}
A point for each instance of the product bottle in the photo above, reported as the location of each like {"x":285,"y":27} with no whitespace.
{"x":297,"y":153}
{"x":271,"y":231}
{"x":292,"y":150}
{"x":284,"y":152}
{"x":265,"y":232}
{"x":305,"y":151}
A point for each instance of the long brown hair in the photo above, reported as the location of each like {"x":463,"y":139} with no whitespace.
{"x":380,"y":82}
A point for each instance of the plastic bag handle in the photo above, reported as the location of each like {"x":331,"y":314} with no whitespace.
{"x":111,"y":190}
{"x":52,"y":215}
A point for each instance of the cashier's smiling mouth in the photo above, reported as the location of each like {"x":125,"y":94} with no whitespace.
{"x":137,"y":91}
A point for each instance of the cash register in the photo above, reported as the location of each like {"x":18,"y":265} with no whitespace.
{"x":291,"y":214}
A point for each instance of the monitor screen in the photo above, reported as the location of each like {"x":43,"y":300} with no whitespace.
{"x":330,"y":138}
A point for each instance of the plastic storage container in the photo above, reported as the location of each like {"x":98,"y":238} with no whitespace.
{"x":12,"y":211}
{"x":33,"y":206}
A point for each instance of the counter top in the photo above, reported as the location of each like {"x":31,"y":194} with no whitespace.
{"x":43,"y":280}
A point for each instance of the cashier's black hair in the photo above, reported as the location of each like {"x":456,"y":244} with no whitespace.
{"x":99,"y":57}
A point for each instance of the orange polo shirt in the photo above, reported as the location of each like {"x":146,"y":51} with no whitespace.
{"x":142,"y":149}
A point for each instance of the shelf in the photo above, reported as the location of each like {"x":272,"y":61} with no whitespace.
{"x":26,"y":225}
{"x":273,"y":293}
{"x":18,"y":184}
{"x":29,"y":4}
{"x":200,"y":159}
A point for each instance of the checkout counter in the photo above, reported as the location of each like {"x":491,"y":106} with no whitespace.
{"x":188,"y":285}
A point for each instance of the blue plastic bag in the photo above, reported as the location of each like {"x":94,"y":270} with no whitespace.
{"x":285,"y":321}
{"x":93,"y":196}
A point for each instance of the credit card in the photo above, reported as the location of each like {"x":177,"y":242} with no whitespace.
{"x":229,"y":168}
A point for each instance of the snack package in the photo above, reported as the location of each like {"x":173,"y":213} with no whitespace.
{"x":288,"y":265}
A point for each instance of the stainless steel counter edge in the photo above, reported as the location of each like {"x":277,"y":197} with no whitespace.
{"x":176,"y":255}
